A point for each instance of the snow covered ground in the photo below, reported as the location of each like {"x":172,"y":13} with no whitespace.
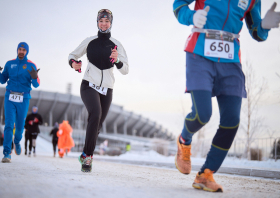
{"x":45,"y":148}
{"x":46,"y":176}
{"x":229,"y":162}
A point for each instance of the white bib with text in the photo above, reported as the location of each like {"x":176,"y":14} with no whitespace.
{"x":102,"y":90}
{"x":219,"y":45}
{"x":16,"y":97}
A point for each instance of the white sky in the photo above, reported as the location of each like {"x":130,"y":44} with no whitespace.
{"x":153,"y":40}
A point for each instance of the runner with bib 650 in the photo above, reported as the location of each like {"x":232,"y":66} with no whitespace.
{"x":214,"y":69}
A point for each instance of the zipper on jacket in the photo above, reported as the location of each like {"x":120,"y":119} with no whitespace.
{"x":225,"y":21}
{"x":101,"y":78}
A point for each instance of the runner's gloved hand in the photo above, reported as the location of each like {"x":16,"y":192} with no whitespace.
{"x":200,"y":17}
{"x":76,"y":65}
{"x":1,"y":68}
{"x":30,"y":122}
{"x":114,"y":55}
{"x":271,"y":19}
{"x":36,"y":120}
{"x":33,"y":73}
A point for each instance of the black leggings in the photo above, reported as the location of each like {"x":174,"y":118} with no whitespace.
{"x":26,"y":140}
{"x":32,"y":140}
{"x":97,"y":106}
{"x":54,"y":142}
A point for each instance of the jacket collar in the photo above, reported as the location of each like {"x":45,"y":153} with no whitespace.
{"x":24,"y":59}
{"x":104,"y":35}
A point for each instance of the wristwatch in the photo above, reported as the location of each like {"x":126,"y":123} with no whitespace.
{"x":118,"y":60}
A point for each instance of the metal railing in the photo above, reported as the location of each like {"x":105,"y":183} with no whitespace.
{"x":276,"y":151}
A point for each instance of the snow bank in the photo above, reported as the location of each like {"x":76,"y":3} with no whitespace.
{"x":229,"y":162}
{"x":45,"y":148}
{"x":152,"y":156}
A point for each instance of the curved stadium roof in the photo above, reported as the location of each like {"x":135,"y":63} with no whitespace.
{"x":55,"y":107}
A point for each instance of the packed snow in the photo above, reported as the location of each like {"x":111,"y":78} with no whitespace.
{"x":46,"y":176}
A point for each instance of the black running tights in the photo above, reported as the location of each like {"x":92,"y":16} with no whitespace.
{"x":32,"y":141}
{"x":54,"y":143}
{"x":97,"y":106}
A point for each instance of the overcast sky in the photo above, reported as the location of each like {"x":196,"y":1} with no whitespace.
{"x":154,"y":42}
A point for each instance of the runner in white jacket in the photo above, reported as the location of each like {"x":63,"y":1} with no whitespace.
{"x":103,"y":52}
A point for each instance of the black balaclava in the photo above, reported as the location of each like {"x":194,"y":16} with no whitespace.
{"x":105,"y":13}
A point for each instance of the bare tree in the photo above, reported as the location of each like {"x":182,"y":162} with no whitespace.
{"x":271,"y":133}
{"x":277,"y":91}
{"x":252,"y":123}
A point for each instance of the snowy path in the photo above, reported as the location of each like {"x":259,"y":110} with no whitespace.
{"x":45,"y":176}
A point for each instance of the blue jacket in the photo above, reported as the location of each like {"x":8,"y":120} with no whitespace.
{"x":224,"y":15}
{"x":17,"y":77}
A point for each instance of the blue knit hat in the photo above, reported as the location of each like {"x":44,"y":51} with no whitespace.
{"x":23,"y":45}
{"x":34,"y":109}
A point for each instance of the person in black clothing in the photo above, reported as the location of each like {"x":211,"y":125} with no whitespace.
{"x":32,"y":123}
{"x":103,"y":53}
{"x":1,"y":138}
{"x":54,"y":137}
{"x":26,"y":139}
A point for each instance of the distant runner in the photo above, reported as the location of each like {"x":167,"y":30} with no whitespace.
{"x":65,"y":140}
{"x":32,"y":123}
{"x":19,"y":74}
{"x":53,"y":133}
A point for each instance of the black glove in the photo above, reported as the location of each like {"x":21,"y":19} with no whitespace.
{"x":1,"y":68}
{"x":33,"y":73}
{"x":119,"y":64}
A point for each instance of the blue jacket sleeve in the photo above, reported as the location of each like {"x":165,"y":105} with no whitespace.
{"x":253,"y":22}
{"x":35,"y":82}
{"x":182,"y":11}
{"x":4,"y":75}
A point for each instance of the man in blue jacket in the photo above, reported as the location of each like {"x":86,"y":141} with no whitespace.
{"x":19,"y":74}
{"x":214,"y":69}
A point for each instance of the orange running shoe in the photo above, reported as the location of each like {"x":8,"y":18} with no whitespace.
{"x":206,"y":182}
{"x":183,"y":158}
